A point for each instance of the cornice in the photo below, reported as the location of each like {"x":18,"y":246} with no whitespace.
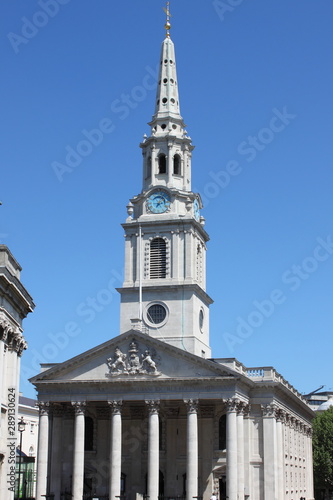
{"x":149,"y":221}
{"x":15,"y":292}
{"x":169,"y":286}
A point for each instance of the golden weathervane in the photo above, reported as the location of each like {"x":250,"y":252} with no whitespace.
{"x":167,"y":24}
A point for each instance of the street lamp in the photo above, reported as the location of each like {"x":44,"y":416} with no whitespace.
{"x":21,"y":428}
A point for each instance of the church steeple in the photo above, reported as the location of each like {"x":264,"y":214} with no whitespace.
{"x":164,"y":289}
{"x":167,"y":152}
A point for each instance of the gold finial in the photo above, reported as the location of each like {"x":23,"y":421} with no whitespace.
{"x":167,"y":24}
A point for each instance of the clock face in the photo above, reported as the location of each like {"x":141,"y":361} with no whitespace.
{"x":158,"y":202}
{"x":196,"y":210}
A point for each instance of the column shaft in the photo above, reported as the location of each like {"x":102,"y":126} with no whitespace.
{"x":192,"y":450}
{"x":280,"y":458}
{"x":240,"y":452}
{"x":232,"y":450}
{"x":270,"y":452}
{"x":115,"y":447}
{"x":78,"y":463}
{"x":42,"y":453}
{"x":153,"y":451}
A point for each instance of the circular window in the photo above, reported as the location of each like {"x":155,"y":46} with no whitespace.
{"x":201,"y":320}
{"x":156,"y":314}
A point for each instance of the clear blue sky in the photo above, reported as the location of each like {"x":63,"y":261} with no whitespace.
{"x":255,"y":80}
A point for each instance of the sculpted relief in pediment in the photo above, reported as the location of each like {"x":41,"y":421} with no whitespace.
{"x":136,"y":361}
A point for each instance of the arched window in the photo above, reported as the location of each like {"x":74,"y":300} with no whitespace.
{"x":176,"y":165}
{"x":31,"y":451}
{"x":223,"y":432}
{"x":88,"y":434}
{"x":157,"y":258}
{"x":162,"y":164}
{"x":148,"y":171}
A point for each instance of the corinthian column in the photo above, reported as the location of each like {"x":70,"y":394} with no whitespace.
{"x":153,"y":450}
{"x":240,"y":449}
{"x":78,"y":465}
{"x":115,"y":447}
{"x":270,"y":451}
{"x":280,"y":416}
{"x":192,"y":449}
{"x":232,"y":449}
{"x":42,"y":453}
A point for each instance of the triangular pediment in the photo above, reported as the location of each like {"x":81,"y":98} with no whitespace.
{"x":132,"y":356}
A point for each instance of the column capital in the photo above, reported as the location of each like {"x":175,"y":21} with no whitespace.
{"x":153,"y":406}
{"x":79,"y":407}
{"x":242,"y":408}
{"x":43,"y":407}
{"x":192,"y":405}
{"x":269,"y":410}
{"x":280,"y":415}
{"x":231,"y":405}
{"x":115,"y":406}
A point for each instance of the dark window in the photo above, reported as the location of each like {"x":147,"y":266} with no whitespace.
{"x":223,"y":432}
{"x":176,"y":165}
{"x":122,"y":483}
{"x":162,"y":164}
{"x":201,"y":319}
{"x":157,"y":258}
{"x":88,"y":434}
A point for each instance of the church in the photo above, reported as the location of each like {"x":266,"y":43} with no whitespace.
{"x":150,"y":413}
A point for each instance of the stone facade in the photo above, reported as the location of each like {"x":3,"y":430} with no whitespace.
{"x":136,"y":415}
{"x":15,"y":304}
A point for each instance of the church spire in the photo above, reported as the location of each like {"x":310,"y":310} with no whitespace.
{"x":167,"y":118}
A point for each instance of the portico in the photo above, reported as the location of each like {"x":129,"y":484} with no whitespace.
{"x":184,"y":428}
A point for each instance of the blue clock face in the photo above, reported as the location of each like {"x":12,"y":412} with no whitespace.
{"x":158,"y":202}
{"x":196,"y":210}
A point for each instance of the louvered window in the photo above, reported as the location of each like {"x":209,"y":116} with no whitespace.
{"x":157,"y":258}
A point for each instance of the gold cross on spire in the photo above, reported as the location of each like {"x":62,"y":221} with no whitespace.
{"x":167,"y":24}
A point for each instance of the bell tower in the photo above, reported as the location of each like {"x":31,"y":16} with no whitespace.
{"x":164,"y":289}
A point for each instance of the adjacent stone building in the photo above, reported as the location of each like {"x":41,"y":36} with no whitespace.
{"x":150,"y":412}
{"x":15,"y":304}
